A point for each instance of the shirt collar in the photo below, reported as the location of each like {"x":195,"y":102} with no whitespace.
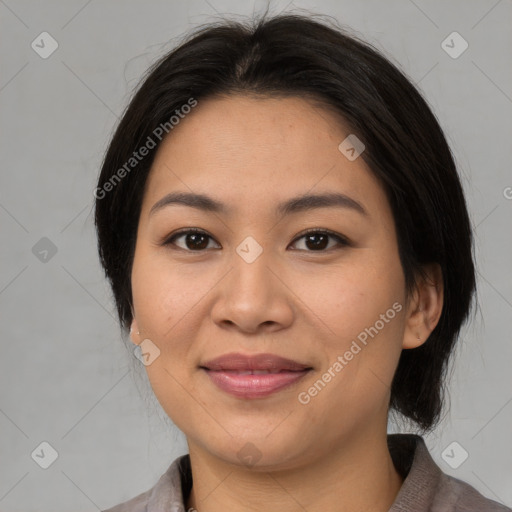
{"x":408,"y":451}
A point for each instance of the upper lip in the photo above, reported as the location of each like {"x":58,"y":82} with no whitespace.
{"x":237,"y":361}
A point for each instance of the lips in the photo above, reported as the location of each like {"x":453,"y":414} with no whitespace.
{"x":255,"y":376}
{"x":268,"y":363}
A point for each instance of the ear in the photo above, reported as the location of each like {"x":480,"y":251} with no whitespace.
{"x":134,"y":332}
{"x":425,"y":307}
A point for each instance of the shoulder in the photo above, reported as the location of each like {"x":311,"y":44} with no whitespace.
{"x":459,"y":496}
{"x":166,"y":494}
{"x":426,"y":487}
{"x":137,"y":504}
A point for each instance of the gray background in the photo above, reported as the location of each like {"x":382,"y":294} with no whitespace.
{"x":65,"y":374}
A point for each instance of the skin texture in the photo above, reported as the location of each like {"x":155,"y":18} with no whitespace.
{"x":293,"y":301}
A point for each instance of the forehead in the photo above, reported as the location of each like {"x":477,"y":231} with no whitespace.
{"x":259,"y":150}
{"x":239,"y":125}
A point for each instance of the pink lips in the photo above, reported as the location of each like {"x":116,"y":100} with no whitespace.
{"x":253,"y":376}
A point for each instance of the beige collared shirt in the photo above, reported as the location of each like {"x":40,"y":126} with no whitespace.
{"x":425,"y":488}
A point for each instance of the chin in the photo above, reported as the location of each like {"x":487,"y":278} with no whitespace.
{"x":258,"y":452}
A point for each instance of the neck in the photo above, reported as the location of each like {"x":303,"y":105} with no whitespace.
{"x":358,"y":477}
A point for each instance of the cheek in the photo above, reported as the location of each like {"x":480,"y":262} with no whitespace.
{"x":361,"y":308}
{"x":165,"y":301}
{"x":170,"y":302}
{"x":163,"y":293}
{"x":351,"y":297}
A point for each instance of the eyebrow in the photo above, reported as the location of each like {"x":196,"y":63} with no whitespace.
{"x":294,"y":205}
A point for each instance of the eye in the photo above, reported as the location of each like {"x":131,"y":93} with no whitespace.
{"x":195,"y":239}
{"x":317,"y":240}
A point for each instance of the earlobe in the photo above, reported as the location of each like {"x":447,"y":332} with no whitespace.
{"x":134,"y":332}
{"x":412,"y":339}
{"x":425,"y":308}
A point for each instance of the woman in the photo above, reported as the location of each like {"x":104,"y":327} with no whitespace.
{"x":287,"y":240}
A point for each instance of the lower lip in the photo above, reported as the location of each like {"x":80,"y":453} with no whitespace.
{"x":253,"y":386}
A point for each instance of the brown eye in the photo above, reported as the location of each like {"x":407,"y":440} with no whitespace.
{"x":194,"y":239}
{"x":318,"y":240}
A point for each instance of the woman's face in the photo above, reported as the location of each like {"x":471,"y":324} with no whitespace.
{"x":253,"y":283}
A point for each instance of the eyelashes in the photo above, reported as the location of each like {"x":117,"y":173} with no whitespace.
{"x":201,"y":239}
{"x":198,"y":233}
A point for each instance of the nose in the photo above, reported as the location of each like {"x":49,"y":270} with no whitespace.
{"x":254,"y":297}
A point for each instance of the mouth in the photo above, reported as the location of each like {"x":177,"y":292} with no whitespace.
{"x":256,"y":376}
